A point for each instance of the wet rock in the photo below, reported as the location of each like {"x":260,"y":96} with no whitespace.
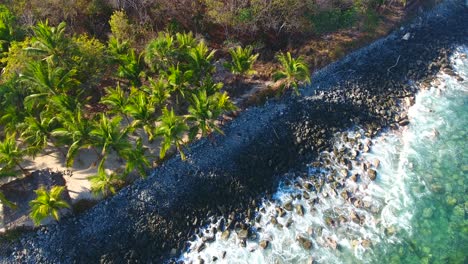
{"x":304,"y":242}
{"x":366,"y":243}
{"x":372,"y":174}
{"x":225,"y":235}
{"x":354,"y":177}
{"x":299,"y":209}
{"x":243,"y":234}
{"x":345,"y":195}
{"x":264,"y":244}
{"x":331,"y":243}
{"x":404,"y":122}
{"x":376,"y":163}
{"x":288,"y":206}
{"x":223,"y":254}
{"x":451,"y":201}
{"x":201,"y":247}
{"x":354,"y":217}
{"x":306,"y":195}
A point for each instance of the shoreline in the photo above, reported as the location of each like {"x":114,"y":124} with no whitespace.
{"x":260,"y":144}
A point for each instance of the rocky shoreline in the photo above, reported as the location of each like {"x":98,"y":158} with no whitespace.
{"x":225,"y":176}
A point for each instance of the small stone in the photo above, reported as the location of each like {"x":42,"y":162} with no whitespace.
{"x":332,"y":243}
{"x":304,"y":242}
{"x":299,"y":209}
{"x":366,"y":243}
{"x":376,"y":163}
{"x":264,"y":244}
{"x":403,"y":122}
{"x":354,"y":217}
{"x":243,"y":234}
{"x":354,"y":177}
{"x":288,"y":206}
{"x":372,"y":174}
{"x":201,"y":247}
{"x":225,"y":235}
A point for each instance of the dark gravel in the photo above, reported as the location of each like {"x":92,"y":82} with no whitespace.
{"x":225,"y":175}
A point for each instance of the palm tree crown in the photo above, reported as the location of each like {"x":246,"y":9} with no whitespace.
{"x":47,"y":203}
{"x":293,"y":72}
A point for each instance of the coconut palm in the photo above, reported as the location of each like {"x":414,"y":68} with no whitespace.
{"x":200,"y":61}
{"x":47,"y":203}
{"x":160,"y":53}
{"x":242,"y":61}
{"x":131,"y":67}
{"x":36,"y":132}
{"x":45,"y":80}
{"x":158,"y":90}
{"x":185,"y":41}
{"x":142,"y":107}
{"x":109,"y":135}
{"x":50,"y":43}
{"x":204,"y":111}
{"x":117,"y":100}
{"x":136,"y":159}
{"x":171,"y":129}
{"x":294,"y":72}
{"x":75,"y":131}
{"x":104,"y":184}
{"x":11,"y":154}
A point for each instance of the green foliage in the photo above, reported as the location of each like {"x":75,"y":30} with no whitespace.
{"x":47,"y":203}
{"x":50,"y":43}
{"x":7,"y":29}
{"x":36,"y":132}
{"x":204,"y":111}
{"x":75,"y":131}
{"x":293,"y":72}
{"x":171,"y":129}
{"x":120,"y":27}
{"x":160,"y":53}
{"x":131,"y":68}
{"x":136,"y":159}
{"x":141,"y":107}
{"x":334,"y":19}
{"x":116,"y":99}
{"x":16,"y":59}
{"x":104,"y":184}
{"x":108,"y":134}
{"x":11,"y":154}
{"x":90,"y":60}
{"x":242,"y":61}
{"x":4,"y":201}
{"x":200,"y":61}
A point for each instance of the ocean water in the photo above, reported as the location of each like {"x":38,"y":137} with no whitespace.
{"x":415,"y":211}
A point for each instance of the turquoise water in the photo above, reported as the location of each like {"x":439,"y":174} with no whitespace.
{"x":414,"y":212}
{"x":437,"y":169}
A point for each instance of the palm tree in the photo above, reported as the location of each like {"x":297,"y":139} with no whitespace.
{"x":172,"y":128}
{"x":160,"y":53}
{"x":75,"y":131}
{"x":117,"y":100}
{"x":36,"y":132}
{"x":104,"y":184}
{"x":185,"y":41}
{"x":47,"y":203}
{"x":131,"y":68}
{"x":142,"y":107}
{"x":50,"y":42}
{"x":136,"y":159}
{"x":204,"y":111}
{"x":158,"y":90}
{"x":177,"y":80}
{"x":11,"y":154}
{"x":46,"y":80}
{"x":293,"y":72}
{"x":200,"y":61}
{"x":108,"y":134}
{"x":242,"y":61}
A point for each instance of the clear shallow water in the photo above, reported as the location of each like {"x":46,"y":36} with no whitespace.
{"x":414,"y":212}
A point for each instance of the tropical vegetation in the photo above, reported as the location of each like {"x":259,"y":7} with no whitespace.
{"x":112,"y":77}
{"x":47,"y":204}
